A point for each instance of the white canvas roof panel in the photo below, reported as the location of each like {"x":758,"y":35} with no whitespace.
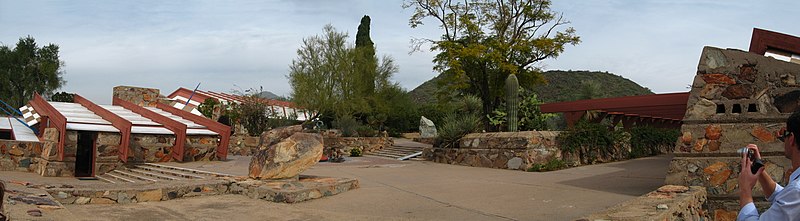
{"x":75,"y":113}
{"x":150,"y":130}
{"x":189,"y":124}
{"x":200,"y":132}
{"x":91,"y":127}
{"x":126,"y":114}
{"x":22,"y":132}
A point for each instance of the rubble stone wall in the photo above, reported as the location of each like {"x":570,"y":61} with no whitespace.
{"x":737,"y":98}
{"x":18,"y":155}
{"x":145,"y":97}
{"x":504,"y":150}
{"x":200,"y":148}
{"x":666,"y":203}
{"x":243,"y":145}
{"x":367,"y":144}
{"x":151,"y":148}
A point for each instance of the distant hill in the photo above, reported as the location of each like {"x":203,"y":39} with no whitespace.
{"x":561,"y":86}
{"x":267,"y":95}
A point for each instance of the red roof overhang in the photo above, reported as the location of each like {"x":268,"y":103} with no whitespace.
{"x":671,"y":106}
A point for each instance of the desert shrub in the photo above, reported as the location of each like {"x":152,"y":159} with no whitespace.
{"x":551,"y":165}
{"x":366,"y":131}
{"x":207,"y":107}
{"x":454,"y":126}
{"x":346,"y":124}
{"x":648,"y":141}
{"x":355,"y":152}
{"x":589,"y":139}
{"x":63,"y":97}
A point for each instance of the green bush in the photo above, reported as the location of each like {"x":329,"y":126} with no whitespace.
{"x":589,"y":139}
{"x":355,"y":152}
{"x":551,"y":165}
{"x":63,"y":97}
{"x":207,"y":107}
{"x":647,"y":141}
{"x":366,"y":131}
{"x":346,"y":124}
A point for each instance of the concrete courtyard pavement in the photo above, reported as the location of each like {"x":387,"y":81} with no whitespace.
{"x":417,"y":190}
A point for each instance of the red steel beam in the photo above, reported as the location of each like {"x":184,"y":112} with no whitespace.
{"x":223,"y":130}
{"x":672,"y":105}
{"x":123,"y":125}
{"x":763,"y":40}
{"x":176,"y":127}
{"x":59,"y":121}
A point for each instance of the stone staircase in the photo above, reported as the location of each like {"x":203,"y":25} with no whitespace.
{"x":408,"y":152}
{"x":150,"y":172}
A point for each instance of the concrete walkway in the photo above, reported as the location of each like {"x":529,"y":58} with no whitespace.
{"x":417,"y":190}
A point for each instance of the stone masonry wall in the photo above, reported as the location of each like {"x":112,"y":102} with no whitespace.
{"x":151,"y":148}
{"x":200,"y":148}
{"x":107,"y":155}
{"x":367,"y":144}
{"x":504,"y":150}
{"x":737,"y":98}
{"x":666,"y":203}
{"x":18,"y":155}
{"x":137,"y":95}
{"x":243,"y":145}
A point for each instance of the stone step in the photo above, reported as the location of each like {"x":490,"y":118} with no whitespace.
{"x":108,"y":179}
{"x":155,"y":174}
{"x":397,"y":152}
{"x":119,"y":177}
{"x":130,"y":174}
{"x":393,"y":156}
{"x":171,"y":172}
{"x":403,"y":148}
{"x":200,"y":172}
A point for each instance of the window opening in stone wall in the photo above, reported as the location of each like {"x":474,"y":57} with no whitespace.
{"x":737,"y":109}
{"x":752,"y":108}
{"x":720,"y":108}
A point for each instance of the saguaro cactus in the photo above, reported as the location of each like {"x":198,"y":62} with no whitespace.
{"x":512,"y":101}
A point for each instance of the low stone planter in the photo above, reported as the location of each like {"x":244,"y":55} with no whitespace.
{"x":368,"y":144}
{"x":667,"y":203}
{"x":503,"y":150}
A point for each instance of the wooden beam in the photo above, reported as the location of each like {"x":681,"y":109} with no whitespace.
{"x":573,"y":117}
{"x":223,"y":130}
{"x":123,"y":125}
{"x":59,"y":121}
{"x":178,"y":128}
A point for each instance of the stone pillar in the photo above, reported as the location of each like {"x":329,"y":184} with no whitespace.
{"x":737,"y":98}
{"x":145,"y":97}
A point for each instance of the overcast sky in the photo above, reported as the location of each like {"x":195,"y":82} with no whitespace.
{"x":227,"y":45}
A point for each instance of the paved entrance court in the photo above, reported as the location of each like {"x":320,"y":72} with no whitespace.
{"x":416,"y":190}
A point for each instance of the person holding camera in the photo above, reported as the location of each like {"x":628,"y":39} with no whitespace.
{"x":785,"y":200}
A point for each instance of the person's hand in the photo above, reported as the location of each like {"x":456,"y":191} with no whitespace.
{"x":747,"y":180}
{"x":755,"y":150}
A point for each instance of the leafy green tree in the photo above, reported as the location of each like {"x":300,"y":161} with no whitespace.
{"x":485,"y":41}
{"x":63,"y":97}
{"x":334,"y":79}
{"x":207,"y":107}
{"x":28,"y":69}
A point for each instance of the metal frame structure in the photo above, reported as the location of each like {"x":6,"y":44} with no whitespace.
{"x":224,"y":131}
{"x":124,"y":126}
{"x":178,"y":128}
{"x":52,"y":116}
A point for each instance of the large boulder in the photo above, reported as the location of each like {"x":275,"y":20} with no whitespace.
{"x":288,"y":158}
{"x":426,"y":128}
{"x":271,"y":137}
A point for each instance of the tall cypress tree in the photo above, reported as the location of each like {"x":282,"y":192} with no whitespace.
{"x":365,"y":60}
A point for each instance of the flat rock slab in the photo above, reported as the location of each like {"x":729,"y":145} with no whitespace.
{"x":292,"y":191}
{"x":20,"y":199}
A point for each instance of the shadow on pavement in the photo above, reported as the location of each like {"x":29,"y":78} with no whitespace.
{"x":636,"y":177}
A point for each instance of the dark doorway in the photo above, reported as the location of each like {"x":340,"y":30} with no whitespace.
{"x":84,"y":158}
{"x":5,"y":135}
